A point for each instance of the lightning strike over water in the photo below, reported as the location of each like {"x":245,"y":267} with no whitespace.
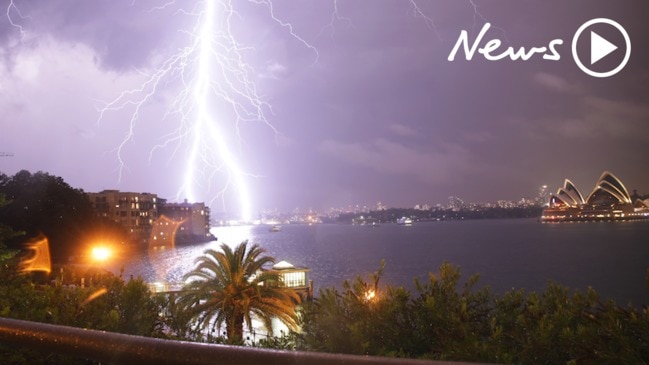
{"x":217,"y":95}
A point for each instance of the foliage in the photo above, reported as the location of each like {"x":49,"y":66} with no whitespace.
{"x":449,"y":320}
{"x":40,"y":203}
{"x":560,"y":326}
{"x":231,"y":286}
{"x":6,"y":233}
{"x":107,"y":303}
{"x":286,"y":341}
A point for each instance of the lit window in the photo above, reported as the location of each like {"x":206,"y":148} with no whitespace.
{"x":294,"y":279}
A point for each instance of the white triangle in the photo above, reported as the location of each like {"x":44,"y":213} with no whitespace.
{"x":599,"y":47}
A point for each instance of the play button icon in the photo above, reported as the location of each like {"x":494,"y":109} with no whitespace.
{"x":601,"y":47}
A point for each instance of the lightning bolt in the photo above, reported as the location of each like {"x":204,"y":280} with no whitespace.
{"x":11,"y":7}
{"x":216,"y":97}
{"x":418,"y":13}
{"x":335,"y":18}
{"x":289,"y":26}
{"x":477,"y":14}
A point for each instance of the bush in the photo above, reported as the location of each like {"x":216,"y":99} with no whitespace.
{"x":108,"y":304}
{"x":449,"y":320}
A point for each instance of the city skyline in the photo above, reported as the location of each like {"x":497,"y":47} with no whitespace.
{"x":362,"y":103}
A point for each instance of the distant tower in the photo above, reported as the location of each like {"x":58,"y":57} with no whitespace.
{"x":543,"y":192}
{"x":543,"y":195}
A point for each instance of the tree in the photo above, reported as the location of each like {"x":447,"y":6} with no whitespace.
{"x":42,"y":204}
{"x":447,"y":320}
{"x":6,"y":233}
{"x":230,"y":286}
{"x":108,"y":303}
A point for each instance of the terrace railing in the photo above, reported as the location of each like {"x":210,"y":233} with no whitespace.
{"x":124,"y":349}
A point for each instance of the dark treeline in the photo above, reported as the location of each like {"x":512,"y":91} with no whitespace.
{"x":41,"y":205}
{"x":393,"y":214}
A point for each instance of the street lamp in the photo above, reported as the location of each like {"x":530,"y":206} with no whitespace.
{"x":98,"y":256}
{"x":101,"y":253}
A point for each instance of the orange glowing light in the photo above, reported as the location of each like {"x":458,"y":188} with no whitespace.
{"x":40,"y":261}
{"x":94,"y":296}
{"x":370,"y":295}
{"x":101,"y":253}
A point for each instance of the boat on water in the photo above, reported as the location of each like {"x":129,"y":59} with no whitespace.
{"x":275,"y":228}
{"x":404,"y":221}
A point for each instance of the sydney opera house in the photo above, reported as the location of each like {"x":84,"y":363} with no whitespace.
{"x":608,"y":201}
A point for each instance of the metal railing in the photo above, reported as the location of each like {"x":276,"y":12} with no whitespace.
{"x":126,"y":349}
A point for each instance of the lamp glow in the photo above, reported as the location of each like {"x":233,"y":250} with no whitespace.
{"x":101,"y":253}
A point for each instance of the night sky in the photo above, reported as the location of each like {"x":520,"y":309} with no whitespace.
{"x":365,"y":105}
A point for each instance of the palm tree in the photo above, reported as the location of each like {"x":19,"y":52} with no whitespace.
{"x":229,"y":286}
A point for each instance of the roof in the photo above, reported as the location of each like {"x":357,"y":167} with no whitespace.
{"x":283,"y":265}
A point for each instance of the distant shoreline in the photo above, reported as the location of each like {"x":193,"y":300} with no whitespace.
{"x":394,"y":214}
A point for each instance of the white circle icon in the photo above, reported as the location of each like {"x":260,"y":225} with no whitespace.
{"x":600,"y":47}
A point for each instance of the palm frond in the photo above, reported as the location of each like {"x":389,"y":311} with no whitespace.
{"x":229,"y":285}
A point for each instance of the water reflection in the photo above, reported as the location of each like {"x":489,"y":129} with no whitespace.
{"x":233,"y":235}
{"x":162,"y":246}
{"x":507,"y":253}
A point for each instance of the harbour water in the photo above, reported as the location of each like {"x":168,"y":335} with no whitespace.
{"x":612,"y":257}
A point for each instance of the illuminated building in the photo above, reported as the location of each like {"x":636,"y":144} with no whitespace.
{"x":295,"y":278}
{"x":195,"y":218}
{"x":139,"y":212}
{"x":134,"y":211}
{"x":609,"y":200}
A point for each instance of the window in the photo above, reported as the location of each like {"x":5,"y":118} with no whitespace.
{"x":294,"y":279}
